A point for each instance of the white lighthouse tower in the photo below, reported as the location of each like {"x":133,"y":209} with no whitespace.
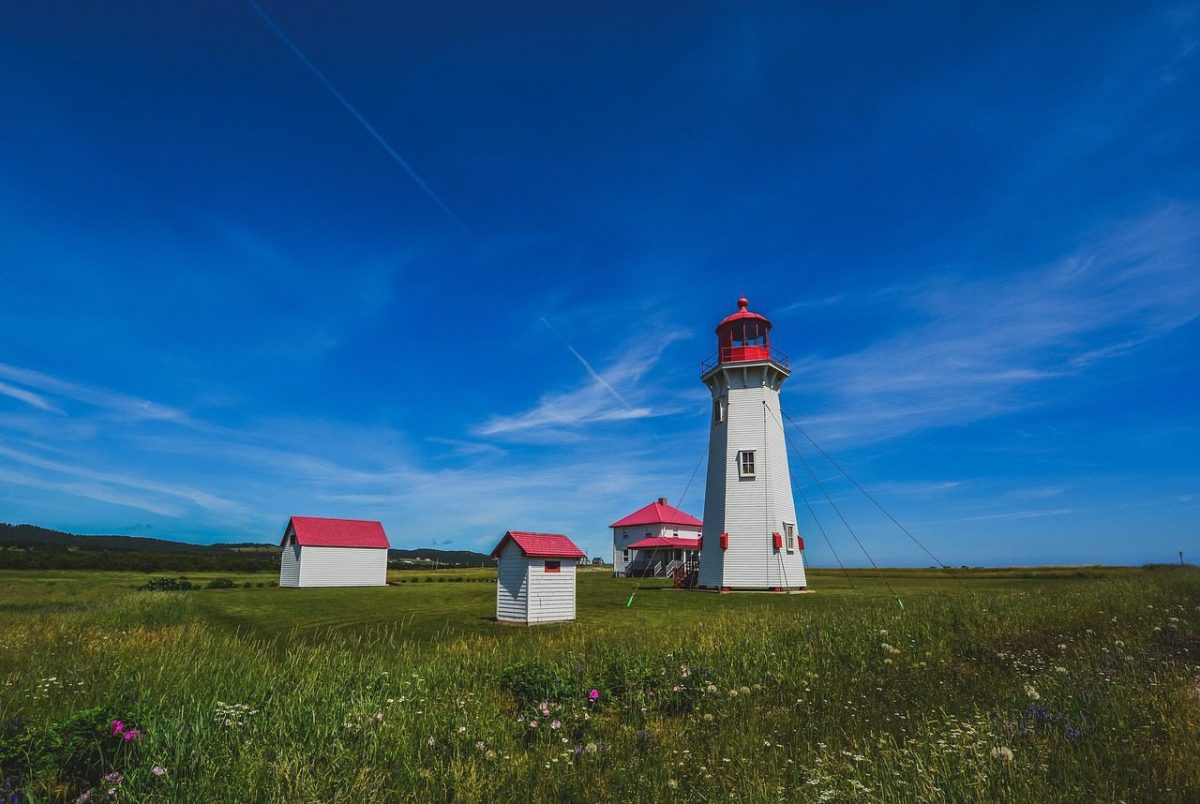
{"x":750,"y":538}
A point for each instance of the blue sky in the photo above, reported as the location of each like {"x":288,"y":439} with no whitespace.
{"x":226,"y":299}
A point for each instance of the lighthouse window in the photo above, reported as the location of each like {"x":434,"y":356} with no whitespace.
{"x":746,"y":463}
{"x":718,"y":410}
{"x":789,"y":536}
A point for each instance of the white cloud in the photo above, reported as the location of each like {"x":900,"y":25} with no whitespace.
{"x":982,"y":346}
{"x":559,"y":416}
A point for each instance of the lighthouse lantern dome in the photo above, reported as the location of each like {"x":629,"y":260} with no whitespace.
{"x":743,"y":336}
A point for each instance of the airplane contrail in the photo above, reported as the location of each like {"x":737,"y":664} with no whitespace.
{"x":292,"y":46}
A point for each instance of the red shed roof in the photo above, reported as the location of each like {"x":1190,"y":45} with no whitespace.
{"x":315,"y":531}
{"x":540,"y":545}
{"x":657,"y":513}
{"x":680,"y":543}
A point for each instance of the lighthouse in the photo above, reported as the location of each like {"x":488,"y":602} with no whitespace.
{"x":750,"y":540}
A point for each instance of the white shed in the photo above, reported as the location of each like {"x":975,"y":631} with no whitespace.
{"x":535,"y":577}
{"x":333,"y":552}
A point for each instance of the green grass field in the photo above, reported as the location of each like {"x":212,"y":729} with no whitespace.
{"x":1018,"y":685}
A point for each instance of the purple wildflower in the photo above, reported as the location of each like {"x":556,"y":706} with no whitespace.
{"x":132,"y":734}
{"x":117,"y":727}
{"x":158,"y":770}
{"x":1074,"y":734}
{"x":594,"y":694}
{"x":114,"y":778}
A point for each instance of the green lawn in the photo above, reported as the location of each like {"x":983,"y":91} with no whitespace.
{"x":1002,"y":684}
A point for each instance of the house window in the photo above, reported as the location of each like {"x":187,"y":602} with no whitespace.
{"x":789,"y":536}
{"x":625,"y":556}
{"x":746,"y":463}
{"x":553,"y":566}
{"x":625,"y":535}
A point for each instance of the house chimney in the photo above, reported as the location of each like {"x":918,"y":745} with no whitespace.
{"x":662,"y":500}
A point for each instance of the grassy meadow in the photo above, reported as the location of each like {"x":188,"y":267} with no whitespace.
{"x":1015,"y":685}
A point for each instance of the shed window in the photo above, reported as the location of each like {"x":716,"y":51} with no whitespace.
{"x":553,"y":566}
{"x":789,"y":536}
{"x":746,"y":463}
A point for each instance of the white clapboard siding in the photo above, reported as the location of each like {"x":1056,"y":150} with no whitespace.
{"x":289,"y":564}
{"x":512,"y":585}
{"x":551,"y":594}
{"x":751,"y":510}
{"x":343,"y":566}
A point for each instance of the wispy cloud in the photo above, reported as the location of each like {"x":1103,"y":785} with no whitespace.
{"x":114,"y":403}
{"x":983,"y":346}
{"x":560,"y":416}
{"x":28,"y":397}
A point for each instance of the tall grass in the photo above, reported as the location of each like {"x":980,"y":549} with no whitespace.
{"x":1084,"y":689}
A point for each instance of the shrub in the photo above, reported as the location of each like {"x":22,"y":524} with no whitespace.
{"x":75,"y":753}
{"x":167,"y":585}
{"x":221,"y":583}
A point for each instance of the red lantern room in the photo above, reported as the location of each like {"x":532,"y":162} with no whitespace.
{"x":745,"y":336}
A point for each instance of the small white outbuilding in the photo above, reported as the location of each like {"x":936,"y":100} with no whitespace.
{"x":333,"y":552}
{"x":535,"y":577}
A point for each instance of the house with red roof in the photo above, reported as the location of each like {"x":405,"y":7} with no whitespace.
{"x":535,"y":580}
{"x":333,"y":552}
{"x":655,"y":541}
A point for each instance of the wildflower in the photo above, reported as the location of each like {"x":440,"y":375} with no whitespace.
{"x":84,"y":796}
{"x":555,"y":725}
{"x":132,"y":734}
{"x":1060,"y":670}
{"x":114,"y":778}
{"x":112,"y":791}
{"x":430,"y":742}
{"x":117,"y":727}
{"x":480,"y":745}
{"x":379,"y":717}
{"x":1073,"y":733}
{"x":733,"y":693}
{"x":533,"y":724}
{"x":711,"y":688}
{"x":1002,"y":753}
{"x":671,"y":783}
{"x":594,"y":694}
{"x":708,"y":717}
{"x":590,"y":748}
{"x":545,"y":707}
{"x":1119,"y":643}
{"x":158,"y":770}
{"x":462,"y":729}
{"x":1031,"y":692}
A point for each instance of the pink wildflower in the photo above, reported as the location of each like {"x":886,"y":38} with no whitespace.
{"x":132,"y":734}
{"x":594,"y":694}
{"x":117,"y":727}
{"x":533,"y":724}
{"x":158,"y":770}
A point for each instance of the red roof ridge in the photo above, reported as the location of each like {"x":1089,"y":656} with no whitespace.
{"x":316,"y":531}
{"x":540,"y":545}
{"x":657,"y":513}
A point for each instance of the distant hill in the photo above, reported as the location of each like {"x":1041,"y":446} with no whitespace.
{"x":34,"y":547}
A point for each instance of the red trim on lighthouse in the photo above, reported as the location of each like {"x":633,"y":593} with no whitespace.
{"x":724,"y":541}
